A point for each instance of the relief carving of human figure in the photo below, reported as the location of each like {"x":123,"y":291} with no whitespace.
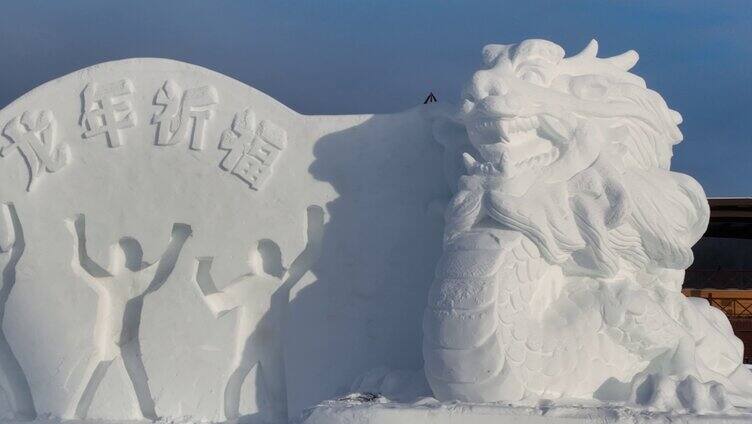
{"x":261,"y":298}
{"x":120,"y":289}
{"x":13,"y":381}
{"x":566,"y":243}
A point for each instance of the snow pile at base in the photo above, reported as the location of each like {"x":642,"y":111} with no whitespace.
{"x":366,"y":408}
{"x":398,"y":396}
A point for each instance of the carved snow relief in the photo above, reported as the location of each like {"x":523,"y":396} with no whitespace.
{"x":120,"y":290}
{"x":109,"y":315}
{"x":33,"y":136}
{"x":107,"y":111}
{"x":253,"y":148}
{"x":261,"y":299}
{"x":184,"y":115}
{"x":128,"y":291}
{"x":12,"y":378}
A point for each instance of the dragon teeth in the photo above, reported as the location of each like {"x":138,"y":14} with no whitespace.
{"x":541,"y":160}
{"x":508,"y":127}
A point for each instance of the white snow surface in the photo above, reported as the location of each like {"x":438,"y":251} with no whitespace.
{"x":566,"y":243}
{"x":349,"y":410}
{"x":343,"y":224}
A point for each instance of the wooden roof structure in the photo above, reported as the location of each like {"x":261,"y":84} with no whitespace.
{"x":730,"y":217}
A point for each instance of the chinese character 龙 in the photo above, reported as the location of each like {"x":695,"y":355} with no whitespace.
{"x":33,"y":135}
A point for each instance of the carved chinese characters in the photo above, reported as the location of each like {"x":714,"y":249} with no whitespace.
{"x":33,"y":136}
{"x":180,"y":108}
{"x":183,"y":115}
{"x":106,"y":112}
{"x":112,"y":318}
{"x":252,"y":148}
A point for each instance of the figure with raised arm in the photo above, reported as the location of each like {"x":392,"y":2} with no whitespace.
{"x":12,"y":378}
{"x":120,"y":289}
{"x":261,"y":298}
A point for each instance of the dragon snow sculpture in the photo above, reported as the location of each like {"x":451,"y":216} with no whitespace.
{"x":566,"y":243}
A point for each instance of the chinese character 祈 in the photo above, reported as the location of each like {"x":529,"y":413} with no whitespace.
{"x":104,"y":113}
{"x":252,"y":148}
{"x":33,"y":135}
{"x":180,"y":108}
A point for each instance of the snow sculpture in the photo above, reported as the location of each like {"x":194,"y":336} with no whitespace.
{"x":120,"y":290}
{"x":138,"y":145}
{"x":34,"y":136}
{"x":566,"y":243}
{"x":12,"y":378}
{"x":564,"y":253}
{"x":261,"y":299}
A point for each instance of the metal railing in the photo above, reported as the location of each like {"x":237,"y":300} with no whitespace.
{"x":733,"y":307}
{"x":702,"y":282}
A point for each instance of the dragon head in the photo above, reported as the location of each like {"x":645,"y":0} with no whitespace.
{"x":536,"y":115}
{"x":575,"y":152}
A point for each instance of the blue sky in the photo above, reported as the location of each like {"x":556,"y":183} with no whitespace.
{"x":334,"y":57}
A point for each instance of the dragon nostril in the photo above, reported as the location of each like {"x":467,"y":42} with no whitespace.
{"x":469,"y":94}
{"x":506,"y":105}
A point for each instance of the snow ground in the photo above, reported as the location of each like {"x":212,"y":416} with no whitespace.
{"x":430,"y":411}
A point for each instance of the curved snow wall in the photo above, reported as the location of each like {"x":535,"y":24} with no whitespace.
{"x":177,"y":244}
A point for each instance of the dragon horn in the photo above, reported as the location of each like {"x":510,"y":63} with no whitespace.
{"x":624,"y":61}
{"x":590,"y":51}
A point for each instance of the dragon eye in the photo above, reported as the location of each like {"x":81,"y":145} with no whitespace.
{"x":533,"y":77}
{"x":588,"y":87}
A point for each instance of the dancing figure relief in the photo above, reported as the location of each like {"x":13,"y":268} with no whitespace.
{"x":13,"y":381}
{"x":120,"y":288}
{"x":261,"y":298}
